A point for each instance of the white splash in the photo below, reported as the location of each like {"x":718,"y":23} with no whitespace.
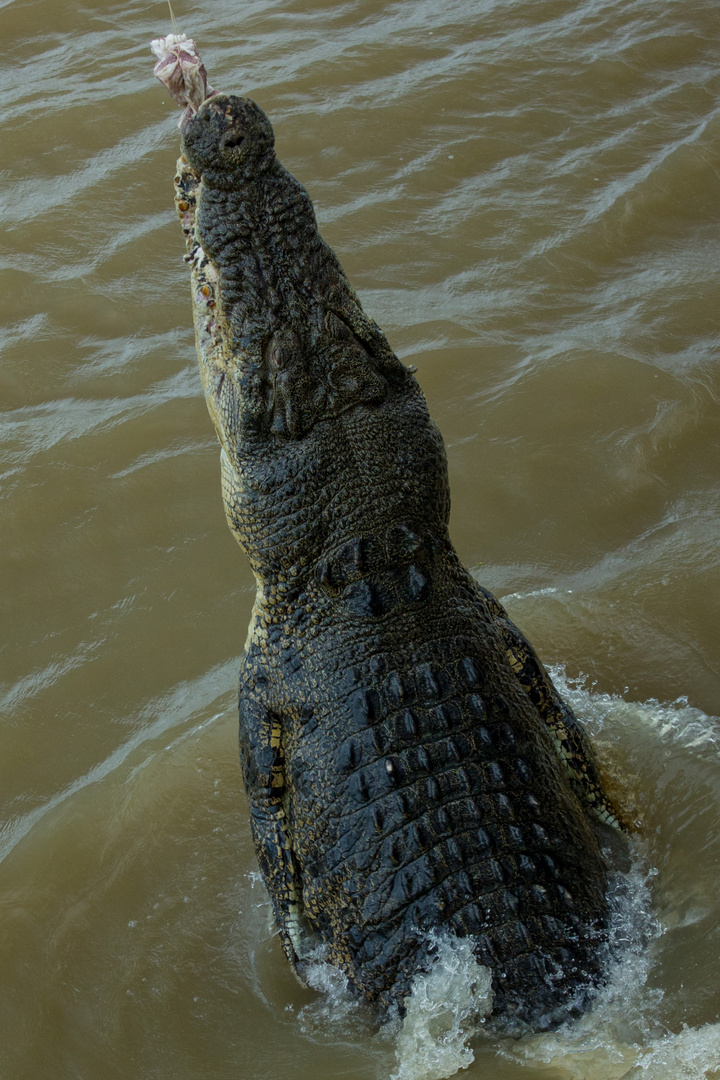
{"x":336,"y":1008}
{"x":635,"y":1029}
{"x":445,"y":1005}
{"x":625,"y":1035}
{"x":692,"y":1054}
{"x":603,"y":1044}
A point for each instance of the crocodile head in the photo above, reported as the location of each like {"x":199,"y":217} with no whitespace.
{"x":325,"y":433}
{"x":228,"y":141}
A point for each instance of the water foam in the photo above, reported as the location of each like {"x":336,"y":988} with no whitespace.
{"x":626,"y":1035}
{"x":337,"y":1009}
{"x":447,"y":1003}
{"x":445,"y":1006}
{"x":635,"y":1029}
{"x":604,"y":1042}
{"x":690,"y":1054}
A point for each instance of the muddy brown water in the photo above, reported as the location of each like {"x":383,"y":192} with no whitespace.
{"x":525,"y":193}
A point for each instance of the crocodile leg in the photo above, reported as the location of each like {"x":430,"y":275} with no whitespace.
{"x":569,"y":738}
{"x":263,"y":764}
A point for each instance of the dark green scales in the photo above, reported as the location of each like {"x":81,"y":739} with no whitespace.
{"x":408,"y":763}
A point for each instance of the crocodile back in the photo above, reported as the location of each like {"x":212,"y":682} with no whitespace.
{"x":425,"y":792}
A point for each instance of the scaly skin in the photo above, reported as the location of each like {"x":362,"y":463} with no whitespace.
{"x":408,"y":763}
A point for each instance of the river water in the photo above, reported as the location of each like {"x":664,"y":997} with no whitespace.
{"x":525,"y":194}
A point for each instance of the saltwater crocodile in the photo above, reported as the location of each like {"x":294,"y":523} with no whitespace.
{"x":409,"y":764}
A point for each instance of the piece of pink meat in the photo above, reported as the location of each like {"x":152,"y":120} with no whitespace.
{"x":180,"y":69}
